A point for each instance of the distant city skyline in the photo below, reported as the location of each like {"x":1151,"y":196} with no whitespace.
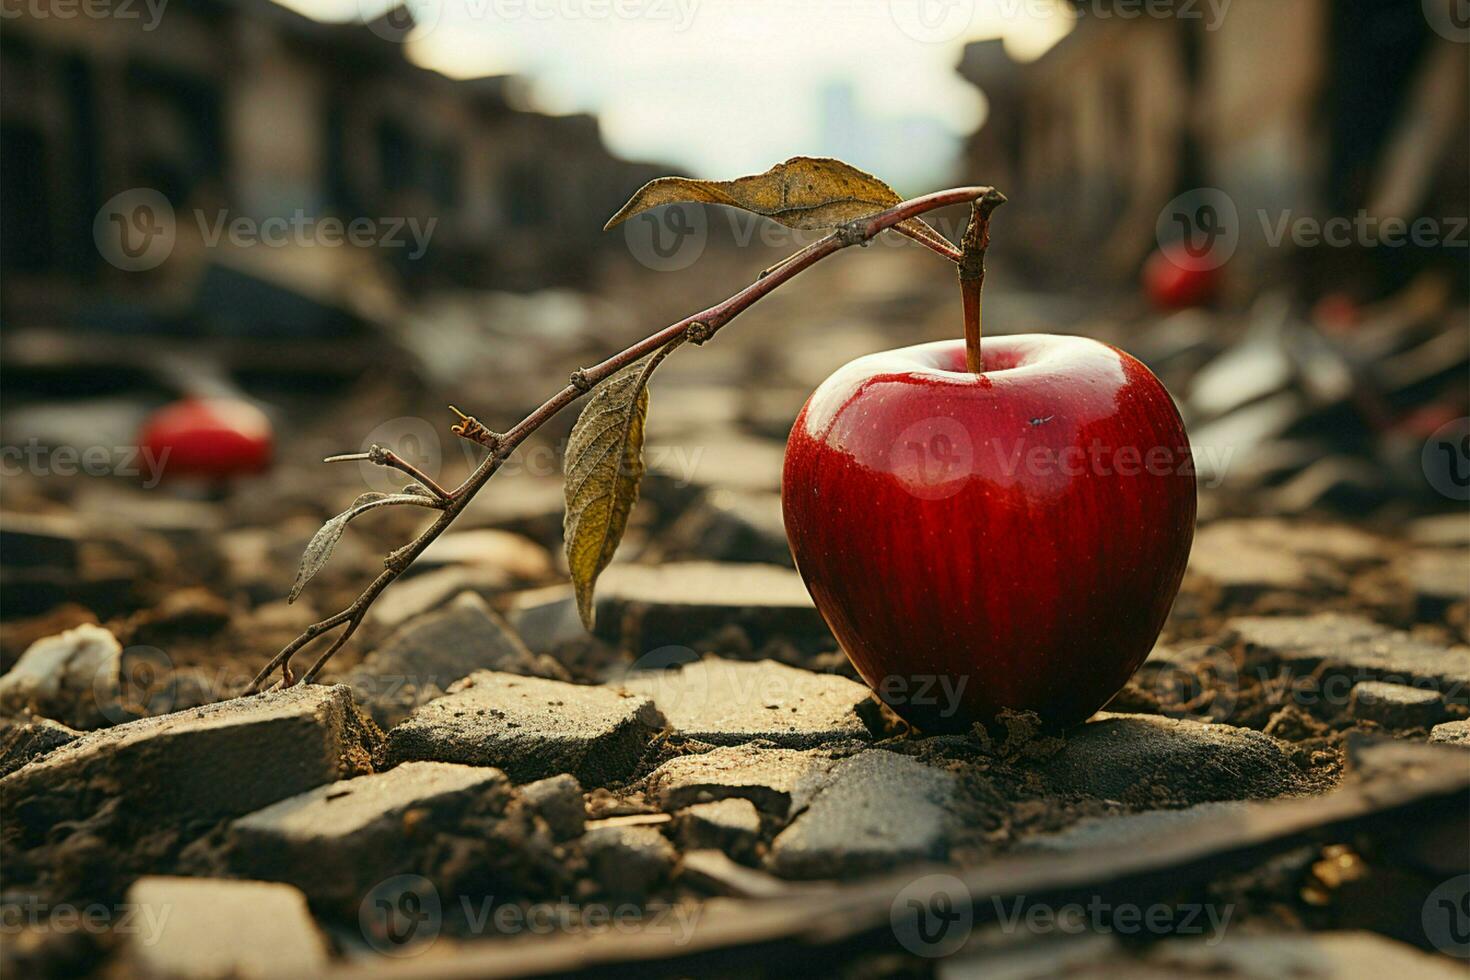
{"x":655,"y":74}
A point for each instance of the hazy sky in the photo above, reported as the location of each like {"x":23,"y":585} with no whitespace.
{"x":722,"y":87}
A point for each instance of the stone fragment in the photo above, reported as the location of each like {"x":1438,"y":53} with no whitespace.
{"x":1351,"y":646}
{"x":1241,"y":560}
{"x":726,"y":702}
{"x":1395,"y":705}
{"x":424,"y":593}
{"x":765,"y":776}
{"x":1146,"y":759}
{"x":73,"y":677}
{"x":531,"y":728}
{"x":25,"y":741}
{"x":717,"y":458}
{"x":734,"y":526}
{"x":1441,"y":531}
{"x":1438,"y":579}
{"x":732,"y":825}
{"x":39,"y":541}
{"x":1133,"y":829}
{"x":1452,"y":733}
{"x":645,"y":607}
{"x":558,"y":800}
{"x":337,"y":841}
{"x":424,"y":656}
{"x":185,"y":928}
{"x":628,"y":861}
{"x":867,"y":813}
{"x":515,"y":554}
{"x":545,"y":618}
{"x":194,"y":766}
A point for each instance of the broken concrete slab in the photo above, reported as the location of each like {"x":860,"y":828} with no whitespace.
{"x":73,"y":677}
{"x":866,"y":813}
{"x":1149,"y":760}
{"x":424,"y":593}
{"x":210,"y":927}
{"x":765,"y":776}
{"x":545,"y":618}
{"x":1349,"y":646}
{"x":531,"y":728}
{"x":337,"y":841}
{"x":645,"y":607}
{"x":427,"y":654}
{"x":1395,"y":705}
{"x":628,"y":861}
{"x":193,"y":766}
{"x":1238,"y":561}
{"x":1131,"y":829}
{"x":25,"y":741}
{"x":1451,"y":733}
{"x":1437,"y":579}
{"x":514,"y":554}
{"x":558,"y":800}
{"x":726,"y":702}
{"x":1441,"y":530}
{"x":734,"y":526}
{"x":732,"y":825}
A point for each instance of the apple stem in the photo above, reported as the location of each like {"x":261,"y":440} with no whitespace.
{"x":972,"y":271}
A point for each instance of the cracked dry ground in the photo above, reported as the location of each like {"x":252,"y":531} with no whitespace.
{"x":703,"y":787}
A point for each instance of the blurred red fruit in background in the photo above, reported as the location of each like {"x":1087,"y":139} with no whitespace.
{"x":208,"y":437}
{"x":1175,"y":280}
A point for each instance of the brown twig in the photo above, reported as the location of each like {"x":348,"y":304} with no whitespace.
{"x":704,"y":323}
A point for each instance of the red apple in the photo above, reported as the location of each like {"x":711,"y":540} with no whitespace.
{"x":208,"y":437}
{"x":1009,"y":539}
{"x":1175,"y":280}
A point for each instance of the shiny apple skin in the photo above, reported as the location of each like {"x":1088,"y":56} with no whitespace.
{"x":950,"y":533}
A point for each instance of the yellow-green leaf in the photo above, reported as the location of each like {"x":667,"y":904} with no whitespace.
{"x":603,"y":469}
{"x":805,"y":193}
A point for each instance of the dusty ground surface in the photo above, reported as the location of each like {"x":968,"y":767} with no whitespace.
{"x":479,"y":780}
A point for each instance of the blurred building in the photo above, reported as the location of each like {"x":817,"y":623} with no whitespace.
{"x":244,"y":108}
{"x":1291,"y":108}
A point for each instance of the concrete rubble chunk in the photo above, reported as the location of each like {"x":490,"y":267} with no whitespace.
{"x":1395,"y":705}
{"x":732,"y":825}
{"x":628,"y":861}
{"x":1133,"y":829}
{"x":1152,"y":760}
{"x":559,"y":801}
{"x":25,"y":741}
{"x":193,"y":766}
{"x":1243,"y":559}
{"x":426,"y":592}
{"x":1350,"y":645}
{"x":531,"y":728}
{"x":867,"y":813}
{"x":726,"y":702}
{"x":1452,"y":733}
{"x":644,"y":607}
{"x":185,"y":928}
{"x":424,"y":656}
{"x":1441,"y":531}
{"x":336,"y":841}
{"x":73,"y":677}
{"x":545,"y":618}
{"x":765,"y":776}
{"x":516,"y":554}
{"x":734,"y":526}
{"x":1438,"y":579}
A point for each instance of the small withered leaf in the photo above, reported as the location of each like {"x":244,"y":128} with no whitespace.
{"x":806,"y":193}
{"x":604,"y":467}
{"x":319,"y":548}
